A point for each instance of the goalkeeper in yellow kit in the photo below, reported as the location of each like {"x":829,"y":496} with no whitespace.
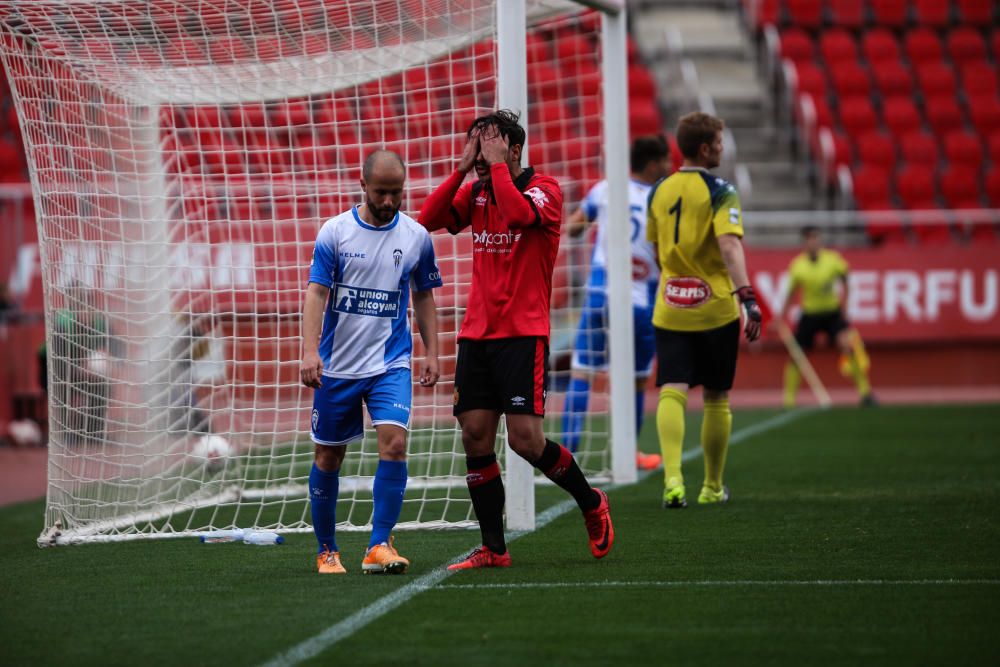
{"x":695,"y":221}
{"x":815,"y":273}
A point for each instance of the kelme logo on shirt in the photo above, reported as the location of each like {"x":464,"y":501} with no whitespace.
{"x":686,"y":292}
{"x":366,"y":301}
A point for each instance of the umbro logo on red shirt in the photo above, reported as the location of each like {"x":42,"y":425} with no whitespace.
{"x":537,"y":196}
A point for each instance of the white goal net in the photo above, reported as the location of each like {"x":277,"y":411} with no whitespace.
{"x":183,"y":156}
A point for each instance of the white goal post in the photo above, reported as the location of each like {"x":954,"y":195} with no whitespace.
{"x":182,"y":162}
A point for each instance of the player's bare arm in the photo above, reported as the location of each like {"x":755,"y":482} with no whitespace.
{"x":732,"y":254}
{"x":425,"y":312}
{"x":468,"y":158}
{"x":312,"y":326}
{"x":782,"y":317}
{"x":576,"y":223}
{"x":845,"y":292}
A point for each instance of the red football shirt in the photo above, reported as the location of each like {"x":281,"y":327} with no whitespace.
{"x":515,"y":230}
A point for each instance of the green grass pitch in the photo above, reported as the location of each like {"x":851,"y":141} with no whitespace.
{"x":854,"y":536}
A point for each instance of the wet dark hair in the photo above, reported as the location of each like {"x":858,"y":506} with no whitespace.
{"x":505,"y":121}
{"x":809,"y":230}
{"x":373,"y":157}
{"x":646,"y":150}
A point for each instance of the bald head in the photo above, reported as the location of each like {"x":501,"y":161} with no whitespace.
{"x":382,"y":179}
{"x":383,"y":164}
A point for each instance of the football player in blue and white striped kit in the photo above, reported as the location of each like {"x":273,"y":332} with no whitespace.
{"x":357,"y":346}
{"x":650,"y":162}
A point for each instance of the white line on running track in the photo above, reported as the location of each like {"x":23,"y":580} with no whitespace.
{"x":341,"y":630}
{"x":733,"y":583}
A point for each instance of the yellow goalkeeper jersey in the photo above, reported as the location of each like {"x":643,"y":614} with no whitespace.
{"x":818,"y":280}
{"x":688,"y":211}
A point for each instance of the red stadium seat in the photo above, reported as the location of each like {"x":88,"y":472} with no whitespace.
{"x":850,"y":79}
{"x":857,"y":116}
{"x":936,"y":79}
{"x":919,"y":147}
{"x":960,"y":187}
{"x":966,"y":44}
{"x":916,"y":187}
{"x":847,"y":13}
{"x":545,"y":83}
{"x":292,"y":113}
{"x":879,"y":45}
{"x":824,"y":115}
{"x":838,"y":46}
{"x":890,"y":13}
{"x":538,"y":49}
{"x":901,"y":115}
{"x":922,"y":45}
{"x":933,"y":230}
{"x":892,"y":79}
{"x":645,"y":120}
{"x":805,"y":13}
{"x":797,"y":45}
{"x":984,"y":111}
{"x":993,"y":148}
{"x":10,"y":163}
{"x":993,"y":187}
{"x":810,"y":79}
{"x":963,"y":148}
{"x":935,"y":13}
{"x":875,"y":148}
{"x":843,"y":150}
{"x":979,"y":79}
{"x":573,"y":46}
{"x":871,"y":188}
{"x":977,"y":12}
{"x":641,"y":82}
{"x":943,"y":114}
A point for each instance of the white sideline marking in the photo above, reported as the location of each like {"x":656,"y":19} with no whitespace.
{"x":316,"y":644}
{"x":733,"y":583}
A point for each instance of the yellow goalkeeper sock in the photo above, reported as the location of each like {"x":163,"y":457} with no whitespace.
{"x":859,"y":375}
{"x":670,"y":428}
{"x":716,"y":424}
{"x":792,"y":377}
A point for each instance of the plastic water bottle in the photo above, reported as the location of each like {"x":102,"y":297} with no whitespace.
{"x":262,"y":538}
{"x":222,"y":536}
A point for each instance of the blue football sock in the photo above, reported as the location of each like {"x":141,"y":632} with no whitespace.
{"x":390,"y":485}
{"x":640,"y":411}
{"x":574,"y":412}
{"x":323,"y":490}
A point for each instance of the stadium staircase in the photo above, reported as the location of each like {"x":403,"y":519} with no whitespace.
{"x":897,"y":102}
{"x":705,"y":58}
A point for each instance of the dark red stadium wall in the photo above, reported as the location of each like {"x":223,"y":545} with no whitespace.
{"x":911,"y":366}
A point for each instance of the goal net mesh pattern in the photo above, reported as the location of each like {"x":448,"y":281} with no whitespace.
{"x":183,"y":155}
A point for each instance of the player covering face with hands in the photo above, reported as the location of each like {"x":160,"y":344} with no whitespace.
{"x":502,"y":367}
{"x":356,"y":350}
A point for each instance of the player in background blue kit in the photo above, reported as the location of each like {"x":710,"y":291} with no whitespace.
{"x":357,"y":346}
{"x":650,"y":162}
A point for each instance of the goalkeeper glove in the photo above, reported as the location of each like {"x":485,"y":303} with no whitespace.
{"x":751,"y":312}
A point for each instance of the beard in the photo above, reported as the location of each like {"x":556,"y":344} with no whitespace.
{"x":482,"y":171}
{"x":383,"y":214}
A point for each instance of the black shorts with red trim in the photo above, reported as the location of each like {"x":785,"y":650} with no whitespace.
{"x":509,"y":375}
{"x":706,"y":358}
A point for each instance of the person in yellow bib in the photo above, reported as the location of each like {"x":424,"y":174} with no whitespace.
{"x":696,"y":226}
{"x":814,"y":274}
